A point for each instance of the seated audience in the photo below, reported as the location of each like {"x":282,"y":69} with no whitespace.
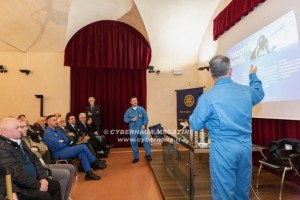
{"x":40,"y":146}
{"x":98,"y":141}
{"x":63,"y":173}
{"x":57,"y":114}
{"x":39,"y":129}
{"x":29,"y":177}
{"x":93,"y":132}
{"x":81,"y":124}
{"x":79,"y":128}
{"x":62,"y":149}
{"x":61,"y":126}
{"x":72,"y":127}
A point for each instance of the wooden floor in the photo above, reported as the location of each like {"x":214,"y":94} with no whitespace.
{"x":269,"y":185}
{"x":126,"y":181}
{"x":120,"y":180}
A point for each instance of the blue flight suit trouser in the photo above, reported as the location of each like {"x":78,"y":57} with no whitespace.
{"x":81,"y":151}
{"x":230,"y":170}
{"x":134,"y":133}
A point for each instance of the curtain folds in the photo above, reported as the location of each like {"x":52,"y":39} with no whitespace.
{"x":231,"y":14}
{"x":265,"y":130}
{"x":108,"y":60}
{"x":116,"y":45}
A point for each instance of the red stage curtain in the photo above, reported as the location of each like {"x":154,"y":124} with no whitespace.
{"x":108,"y":60}
{"x":265,"y":130}
{"x":231,"y":14}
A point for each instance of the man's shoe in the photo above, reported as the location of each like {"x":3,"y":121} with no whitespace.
{"x":100,"y":166}
{"x":96,"y":165}
{"x":100,"y":152}
{"x":135,"y":161}
{"x":103,"y":154}
{"x":91,"y":176}
{"x":109,"y":146}
{"x":102,"y":161}
{"x":149,"y":158}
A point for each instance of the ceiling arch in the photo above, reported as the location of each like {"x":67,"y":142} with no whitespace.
{"x":89,"y":11}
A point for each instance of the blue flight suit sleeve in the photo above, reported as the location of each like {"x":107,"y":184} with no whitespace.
{"x":257,"y":91}
{"x":145,"y":117}
{"x":53,"y":141}
{"x":127,"y":118}
{"x":200,"y":115}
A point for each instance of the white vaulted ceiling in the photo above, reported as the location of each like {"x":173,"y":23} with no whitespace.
{"x":47,"y":25}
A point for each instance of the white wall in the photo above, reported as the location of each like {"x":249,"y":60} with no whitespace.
{"x":176,"y":31}
{"x":48,"y":76}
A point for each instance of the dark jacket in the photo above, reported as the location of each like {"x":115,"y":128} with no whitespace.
{"x":2,"y":183}
{"x":65,"y":131}
{"x":95,"y":114}
{"x":11,"y":156}
{"x":82,"y":128}
{"x":74,"y":130}
{"x":36,"y":133}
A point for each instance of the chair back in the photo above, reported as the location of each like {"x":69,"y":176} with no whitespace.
{"x":156,"y":131}
{"x":281,"y":149}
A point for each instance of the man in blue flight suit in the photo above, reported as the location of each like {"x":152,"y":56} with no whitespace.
{"x":61,"y":148}
{"x":226,"y":111}
{"x":137,"y":119}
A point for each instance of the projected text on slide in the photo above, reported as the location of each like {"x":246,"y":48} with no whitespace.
{"x":275,"y":51}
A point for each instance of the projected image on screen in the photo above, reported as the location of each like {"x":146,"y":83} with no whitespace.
{"x":276,"y":53}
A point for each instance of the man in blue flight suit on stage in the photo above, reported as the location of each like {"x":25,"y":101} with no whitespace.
{"x":226,"y":111}
{"x":137,"y":119}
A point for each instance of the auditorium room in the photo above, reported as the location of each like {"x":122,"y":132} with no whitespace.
{"x":150,"y":99}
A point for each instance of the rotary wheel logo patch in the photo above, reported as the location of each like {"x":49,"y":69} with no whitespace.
{"x":189,"y":100}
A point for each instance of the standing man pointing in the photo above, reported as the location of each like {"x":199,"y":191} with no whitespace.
{"x":137,"y":119}
{"x":226,"y":111}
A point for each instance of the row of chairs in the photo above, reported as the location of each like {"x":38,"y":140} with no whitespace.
{"x":72,"y":161}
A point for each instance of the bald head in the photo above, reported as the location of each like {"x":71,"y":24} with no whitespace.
{"x":10,"y":128}
{"x":41,"y":121}
{"x":61,"y":121}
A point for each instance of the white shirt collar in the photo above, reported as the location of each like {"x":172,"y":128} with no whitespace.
{"x":134,"y":107}
{"x":17,"y":141}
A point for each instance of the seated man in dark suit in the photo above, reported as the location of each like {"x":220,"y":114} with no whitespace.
{"x":61,"y":126}
{"x":81,"y":123}
{"x":73,"y":128}
{"x":61,"y":149}
{"x":94,"y":139}
{"x":29,"y":177}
